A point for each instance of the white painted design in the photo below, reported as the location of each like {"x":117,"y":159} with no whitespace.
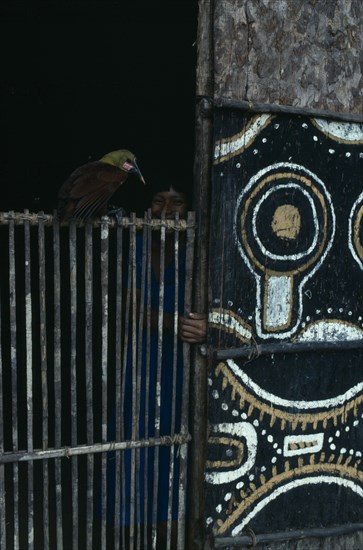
{"x":352,"y":217}
{"x":229,"y":322}
{"x":288,"y":403}
{"x":241,"y":430}
{"x":313,"y":480}
{"x":242,"y":141}
{"x":278,"y":301}
{"x":260,"y":279}
{"x":313,"y":444}
{"x":330,"y":331}
{"x":264,"y":250}
{"x":341,"y":131}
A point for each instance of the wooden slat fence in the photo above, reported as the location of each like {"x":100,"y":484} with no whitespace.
{"x":73,"y":334}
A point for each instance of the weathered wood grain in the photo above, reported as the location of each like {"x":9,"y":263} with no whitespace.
{"x":204,"y":70}
{"x":287,"y":52}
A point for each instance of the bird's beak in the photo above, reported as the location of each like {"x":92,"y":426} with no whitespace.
{"x":138,"y":172}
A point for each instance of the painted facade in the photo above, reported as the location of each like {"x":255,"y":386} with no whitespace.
{"x":286,"y":430}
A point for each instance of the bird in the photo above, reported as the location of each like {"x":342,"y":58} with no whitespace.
{"x":86,"y":192}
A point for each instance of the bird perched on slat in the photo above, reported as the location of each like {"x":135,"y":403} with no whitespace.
{"x":87,"y":191}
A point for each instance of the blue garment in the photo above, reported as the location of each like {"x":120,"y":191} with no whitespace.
{"x":166,"y":403}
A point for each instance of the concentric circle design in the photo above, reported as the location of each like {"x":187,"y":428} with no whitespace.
{"x":262,"y":221}
{"x":284,"y":228}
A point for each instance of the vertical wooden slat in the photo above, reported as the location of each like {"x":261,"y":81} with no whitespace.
{"x":124,"y":370}
{"x":104,"y":321}
{"x":44,"y":381}
{"x":2,"y":467}
{"x":89,"y":374}
{"x":14,"y":385}
{"x":73,"y":366}
{"x":139,"y":373}
{"x":147,"y":369}
{"x":158,"y":379}
{"x":134,"y":373}
{"x":186,"y":374}
{"x":118,"y":366}
{"x":57,"y":380}
{"x":174,"y":383}
{"x":29,"y":379}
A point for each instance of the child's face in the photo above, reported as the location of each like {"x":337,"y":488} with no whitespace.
{"x":170,"y":202}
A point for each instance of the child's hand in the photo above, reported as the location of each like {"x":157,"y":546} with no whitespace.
{"x":193,"y":329}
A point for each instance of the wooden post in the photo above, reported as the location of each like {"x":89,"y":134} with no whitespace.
{"x":299,"y":61}
{"x":202,"y":174}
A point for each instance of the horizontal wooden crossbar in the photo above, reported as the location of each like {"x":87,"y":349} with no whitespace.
{"x":68,"y":452}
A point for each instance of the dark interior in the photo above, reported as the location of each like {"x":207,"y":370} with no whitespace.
{"x":80,"y":79}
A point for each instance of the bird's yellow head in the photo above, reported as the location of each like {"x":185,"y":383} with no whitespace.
{"x":125,"y":160}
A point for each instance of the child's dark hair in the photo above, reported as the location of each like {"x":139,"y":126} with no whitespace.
{"x":161,"y":185}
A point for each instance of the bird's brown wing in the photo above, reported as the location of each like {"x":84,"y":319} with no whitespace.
{"x":88,"y":189}
{"x":89,"y":178}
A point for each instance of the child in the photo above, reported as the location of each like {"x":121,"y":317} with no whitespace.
{"x":153,"y":378}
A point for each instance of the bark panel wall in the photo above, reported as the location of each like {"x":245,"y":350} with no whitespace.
{"x":302,"y":54}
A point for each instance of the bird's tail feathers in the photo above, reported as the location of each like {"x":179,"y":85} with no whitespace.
{"x":89,"y":205}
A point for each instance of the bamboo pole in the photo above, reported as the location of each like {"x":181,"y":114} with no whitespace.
{"x":147,"y":370}
{"x":44,"y":378}
{"x":174,"y":386}
{"x":110,"y":446}
{"x":14,"y":374}
{"x":118,"y":366}
{"x":73,"y":381}
{"x":158,"y":379}
{"x":133,"y":376}
{"x":104,"y":298}
{"x":186,"y":376}
{"x":29,"y":380}
{"x":140,"y":350}
{"x":89,"y":376}
{"x":57,"y":380}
